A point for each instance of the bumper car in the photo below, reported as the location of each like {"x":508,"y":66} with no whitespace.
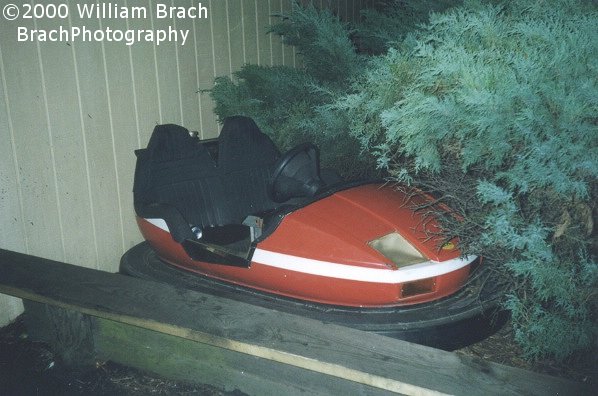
{"x":233,"y":217}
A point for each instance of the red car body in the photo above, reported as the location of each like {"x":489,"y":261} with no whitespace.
{"x":322,"y":253}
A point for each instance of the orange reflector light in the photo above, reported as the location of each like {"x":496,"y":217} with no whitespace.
{"x":448,"y":246}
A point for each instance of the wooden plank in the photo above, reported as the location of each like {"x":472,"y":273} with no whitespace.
{"x":81,"y":340}
{"x":182,"y":359}
{"x":336,"y":351}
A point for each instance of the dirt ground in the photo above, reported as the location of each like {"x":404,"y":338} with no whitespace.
{"x":28,"y":367}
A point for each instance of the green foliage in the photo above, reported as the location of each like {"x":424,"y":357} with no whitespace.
{"x":323,"y":42}
{"x":289,"y":104}
{"x":495,"y":110}
{"x":251,"y":94}
{"x":285,"y":103}
{"x":293,"y":105}
{"x":386,"y":26}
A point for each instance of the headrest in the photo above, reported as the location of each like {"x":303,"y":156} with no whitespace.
{"x":242,"y":145}
{"x":171,"y":142}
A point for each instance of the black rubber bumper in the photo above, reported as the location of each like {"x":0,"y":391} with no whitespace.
{"x":463,"y":318}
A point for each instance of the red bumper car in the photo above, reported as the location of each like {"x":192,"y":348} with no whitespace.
{"x":232,"y":217}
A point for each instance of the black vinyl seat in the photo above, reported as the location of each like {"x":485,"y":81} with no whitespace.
{"x":246,"y":159}
{"x":176,"y":178}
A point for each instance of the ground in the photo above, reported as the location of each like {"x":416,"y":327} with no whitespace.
{"x":29,"y":367}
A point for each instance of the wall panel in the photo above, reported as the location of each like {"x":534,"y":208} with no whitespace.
{"x":95,"y":114}
{"x":221,"y":38}
{"x":12,"y":230}
{"x":188,"y":77}
{"x":167,"y":70}
{"x":263,"y":39}
{"x":205,"y":68}
{"x":250,"y":39}
{"x":288,"y":52}
{"x":32,"y":142}
{"x":235,"y":29}
{"x":122,"y":105}
{"x":73,"y":112}
{"x":276,"y":46}
{"x":142,"y":61}
{"x":71,"y":166}
{"x":12,"y":233}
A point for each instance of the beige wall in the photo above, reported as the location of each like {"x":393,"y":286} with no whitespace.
{"x":71,"y":115}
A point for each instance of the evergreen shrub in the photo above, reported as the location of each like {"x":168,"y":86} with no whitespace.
{"x":292,"y":105}
{"x":494,"y":109}
{"x":286,"y":102}
{"x":387,"y":25}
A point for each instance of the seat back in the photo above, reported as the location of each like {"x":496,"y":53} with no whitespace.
{"x":177,"y":170}
{"x":246,"y":158}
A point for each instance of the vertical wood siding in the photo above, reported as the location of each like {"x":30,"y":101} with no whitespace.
{"x":71,"y":115}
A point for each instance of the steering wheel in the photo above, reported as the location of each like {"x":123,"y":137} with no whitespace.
{"x":280,"y":166}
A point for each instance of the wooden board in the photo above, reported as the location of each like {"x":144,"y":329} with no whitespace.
{"x":336,"y":351}
{"x":183,"y":359}
{"x":67,"y":333}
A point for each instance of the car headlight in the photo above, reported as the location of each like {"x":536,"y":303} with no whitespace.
{"x":397,"y":249}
